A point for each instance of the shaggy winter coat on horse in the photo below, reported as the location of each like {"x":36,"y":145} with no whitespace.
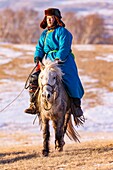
{"x":56,"y":44}
{"x":54,"y":104}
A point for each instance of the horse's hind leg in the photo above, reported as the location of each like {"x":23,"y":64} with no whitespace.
{"x":59,"y":135}
{"x":46,"y":136}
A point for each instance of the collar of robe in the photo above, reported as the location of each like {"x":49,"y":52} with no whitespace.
{"x":52,"y":27}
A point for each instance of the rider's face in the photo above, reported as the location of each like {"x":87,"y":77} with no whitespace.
{"x":50,"y":20}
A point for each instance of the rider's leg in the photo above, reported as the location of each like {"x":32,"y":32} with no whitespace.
{"x":78,"y":110}
{"x":33,"y":85}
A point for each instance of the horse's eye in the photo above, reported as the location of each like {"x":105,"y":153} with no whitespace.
{"x":54,"y":78}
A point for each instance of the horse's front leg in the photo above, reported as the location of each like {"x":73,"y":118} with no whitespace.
{"x":46,"y":136}
{"x":59,"y":134}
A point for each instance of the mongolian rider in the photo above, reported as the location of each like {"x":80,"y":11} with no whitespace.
{"x":55,"y":43}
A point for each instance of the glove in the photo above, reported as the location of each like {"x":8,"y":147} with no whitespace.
{"x":57,"y":60}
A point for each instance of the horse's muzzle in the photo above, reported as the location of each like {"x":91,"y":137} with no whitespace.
{"x":47,"y":95}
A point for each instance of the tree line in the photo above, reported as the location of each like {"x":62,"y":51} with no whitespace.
{"x":23,"y":27}
{"x":19,"y":27}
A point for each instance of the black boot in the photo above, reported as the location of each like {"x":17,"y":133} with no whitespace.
{"x":31,"y":109}
{"x":78,"y":110}
{"x":33,"y":85}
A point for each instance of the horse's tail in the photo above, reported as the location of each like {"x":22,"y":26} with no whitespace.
{"x":71,"y":132}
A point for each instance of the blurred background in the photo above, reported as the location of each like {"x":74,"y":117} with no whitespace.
{"x":91,"y":23}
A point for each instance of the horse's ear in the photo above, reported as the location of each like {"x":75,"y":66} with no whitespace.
{"x":42,"y":66}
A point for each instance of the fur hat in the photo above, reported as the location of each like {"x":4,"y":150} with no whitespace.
{"x":53,"y":11}
{"x":49,"y":12}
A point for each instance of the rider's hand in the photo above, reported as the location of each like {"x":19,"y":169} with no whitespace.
{"x":36,"y":60}
{"x":57,"y":60}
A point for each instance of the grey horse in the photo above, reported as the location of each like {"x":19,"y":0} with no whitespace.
{"x":54,"y":104}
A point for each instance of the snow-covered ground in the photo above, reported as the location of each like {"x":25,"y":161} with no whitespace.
{"x":13,"y":119}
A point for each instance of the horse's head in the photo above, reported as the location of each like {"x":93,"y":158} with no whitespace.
{"x":48,"y":79}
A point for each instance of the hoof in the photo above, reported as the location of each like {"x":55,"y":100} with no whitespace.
{"x":59,"y":149}
{"x":45,"y":153}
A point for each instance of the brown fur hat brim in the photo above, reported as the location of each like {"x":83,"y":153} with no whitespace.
{"x":59,"y":21}
{"x":43,"y":24}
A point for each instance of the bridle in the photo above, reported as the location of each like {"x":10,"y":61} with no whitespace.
{"x":52,"y":92}
{"x":52,"y":87}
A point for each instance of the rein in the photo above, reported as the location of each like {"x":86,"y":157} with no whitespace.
{"x":25,"y":87}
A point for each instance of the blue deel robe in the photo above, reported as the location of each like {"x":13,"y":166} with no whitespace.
{"x":56,"y":44}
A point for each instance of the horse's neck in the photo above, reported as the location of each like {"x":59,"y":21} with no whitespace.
{"x":62,"y":91}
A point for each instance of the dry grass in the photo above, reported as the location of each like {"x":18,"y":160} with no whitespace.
{"x":99,"y":70}
{"x":94,"y":155}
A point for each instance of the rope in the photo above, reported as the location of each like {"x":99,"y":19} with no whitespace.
{"x":25,"y":87}
{"x":12,"y":101}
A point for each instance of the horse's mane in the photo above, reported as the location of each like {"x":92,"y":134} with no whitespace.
{"x":50,"y":65}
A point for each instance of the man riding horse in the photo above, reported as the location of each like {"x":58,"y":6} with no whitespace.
{"x":55,"y":43}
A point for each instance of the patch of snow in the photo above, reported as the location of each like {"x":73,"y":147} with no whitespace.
{"x":111,"y":84}
{"x":28,"y":65}
{"x":99,"y":118}
{"x":25,"y":47}
{"x":89,"y":79}
{"x":9,"y":53}
{"x":84,"y":47}
{"x":4,"y":60}
{"x":108,"y":58}
{"x":108,"y":99}
{"x":8,"y":84}
{"x":30,"y":53}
